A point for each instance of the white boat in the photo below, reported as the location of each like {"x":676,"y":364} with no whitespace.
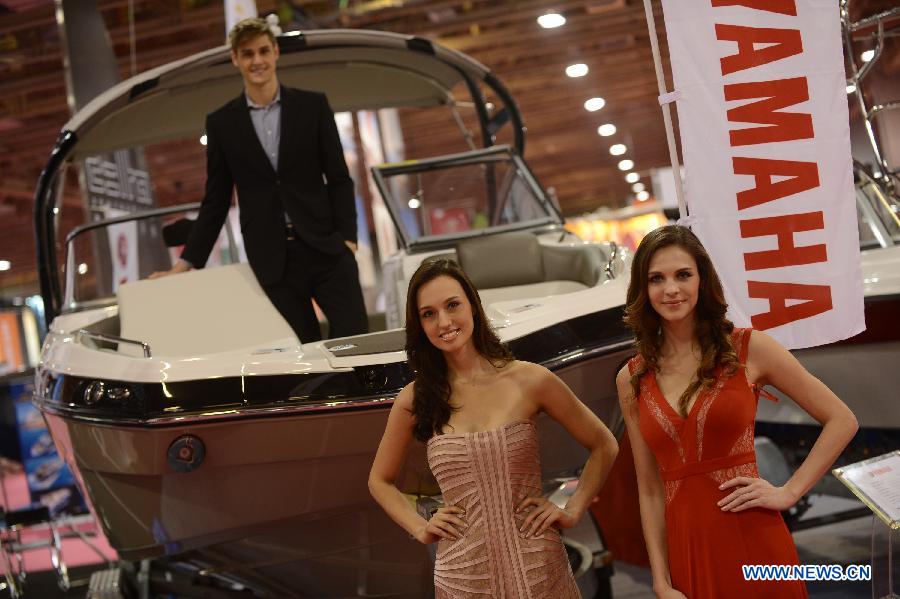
{"x":207,"y":437}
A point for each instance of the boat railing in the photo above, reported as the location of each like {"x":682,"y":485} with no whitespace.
{"x":855,"y":30}
{"x":107,"y":338}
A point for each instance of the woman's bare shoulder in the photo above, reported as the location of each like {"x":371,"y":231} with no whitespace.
{"x":763,"y":347}
{"x":404,"y":399}
{"x":623,"y":377}
{"x":528,"y":373}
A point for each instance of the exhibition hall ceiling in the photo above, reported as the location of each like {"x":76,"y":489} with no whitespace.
{"x":563,"y":146}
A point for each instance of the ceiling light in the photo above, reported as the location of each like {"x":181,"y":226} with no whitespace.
{"x":577,"y":70}
{"x":82,"y":268}
{"x":414,"y":203}
{"x":867,"y":55}
{"x":618,"y":150}
{"x":594,"y":104}
{"x":631,"y":177}
{"x":626,"y":165}
{"x":851,"y":88}
{"x":551,"y":20}
{"x":203,"y":139}
{"x":5,"y":265}
{"x":606,"y":129}
{"x":637,"y":187}
{"x":642,"y":196}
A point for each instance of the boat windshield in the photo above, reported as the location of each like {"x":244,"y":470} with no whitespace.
{"x":104,"y":254}
{"x":440,"y":200}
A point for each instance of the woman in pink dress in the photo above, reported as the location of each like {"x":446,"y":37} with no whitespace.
{"x":689,"y":398}
{"x":475,"y":406}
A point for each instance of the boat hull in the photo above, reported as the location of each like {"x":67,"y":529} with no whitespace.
{"x":281,"y":503}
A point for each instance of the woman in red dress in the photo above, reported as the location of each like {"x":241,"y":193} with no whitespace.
{"x":689,"y":398}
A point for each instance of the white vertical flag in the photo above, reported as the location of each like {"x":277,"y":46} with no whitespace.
{"x":762,"y":110}
{"x":238,"y":10}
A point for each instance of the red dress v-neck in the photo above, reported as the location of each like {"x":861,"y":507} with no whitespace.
{"x":713,"y":444}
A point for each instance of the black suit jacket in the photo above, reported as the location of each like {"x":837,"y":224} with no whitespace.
{"x":322,"y":211}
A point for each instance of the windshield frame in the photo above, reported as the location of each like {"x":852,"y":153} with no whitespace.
{"x":501,"y":153}
{"x":70,"y":304}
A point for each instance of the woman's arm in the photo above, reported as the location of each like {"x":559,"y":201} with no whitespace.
{"x":651,"y":493}
{"x":557,"y":400}
{"x":382,"y":478}
{"x":768,"y":363}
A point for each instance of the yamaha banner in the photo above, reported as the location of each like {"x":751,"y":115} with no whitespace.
{"x":762,"y":110}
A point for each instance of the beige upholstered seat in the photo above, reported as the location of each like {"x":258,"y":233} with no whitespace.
{"x":516,"y":265}
{"x":201,"y":312}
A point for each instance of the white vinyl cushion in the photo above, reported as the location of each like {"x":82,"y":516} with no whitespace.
{"x":533,"y":290}
{"x":201,"y":312}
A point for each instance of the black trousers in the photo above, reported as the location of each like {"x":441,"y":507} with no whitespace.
{"x":332,"y":280}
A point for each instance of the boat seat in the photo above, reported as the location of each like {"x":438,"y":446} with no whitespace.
{"x":201,"y":312}
{"x":516,"y":265}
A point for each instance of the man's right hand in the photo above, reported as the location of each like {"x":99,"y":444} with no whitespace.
{"x":179,"y":267}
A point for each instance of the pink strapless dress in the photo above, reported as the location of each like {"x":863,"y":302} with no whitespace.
{"x":488,"y":474}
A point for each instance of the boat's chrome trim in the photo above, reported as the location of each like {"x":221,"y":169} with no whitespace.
{"x":386,"y":400}
{"x":219,"y":415}
{"x":587,"y":354}
{"x":145,"y":347}
{"x":284,"y":407}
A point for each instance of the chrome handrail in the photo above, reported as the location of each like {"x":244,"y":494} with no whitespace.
{"x":131,"y":216}
{"x":613,"y":255}
{"x":886,"y":106}
{"x":874,"y":19}
{"x":145,"y":347}
{"x":858,"y":73}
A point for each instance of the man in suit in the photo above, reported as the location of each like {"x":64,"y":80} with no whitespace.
{"x":280,"y":148}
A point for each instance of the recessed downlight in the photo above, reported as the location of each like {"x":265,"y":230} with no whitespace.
{"x":606,"y":129}
{"x":551,"y":20}
{"x":577,"y":70}
{"x":594,"y":104}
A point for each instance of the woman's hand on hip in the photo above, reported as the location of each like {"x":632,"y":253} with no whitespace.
{"x":542,"y":514}
{"x":752,"y":492}
{"x":671,"y":593}
{"x":445,"y":523}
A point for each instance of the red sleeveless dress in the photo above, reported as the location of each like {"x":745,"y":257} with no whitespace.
{"x":713,"y":444}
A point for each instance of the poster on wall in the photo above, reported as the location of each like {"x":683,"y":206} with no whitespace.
{"x":12,"y":358}
{"x":123,"y":249}
{"x":764,"y":125}
{"x":50,"y":481}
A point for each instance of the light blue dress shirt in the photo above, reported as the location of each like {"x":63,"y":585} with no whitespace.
{"x":267,"y":124}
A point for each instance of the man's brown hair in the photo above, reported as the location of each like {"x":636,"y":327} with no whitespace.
{"x":248,"y":29}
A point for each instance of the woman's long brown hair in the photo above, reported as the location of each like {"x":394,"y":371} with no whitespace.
{"x":431,"y":392}
{"x":711,"y":328}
